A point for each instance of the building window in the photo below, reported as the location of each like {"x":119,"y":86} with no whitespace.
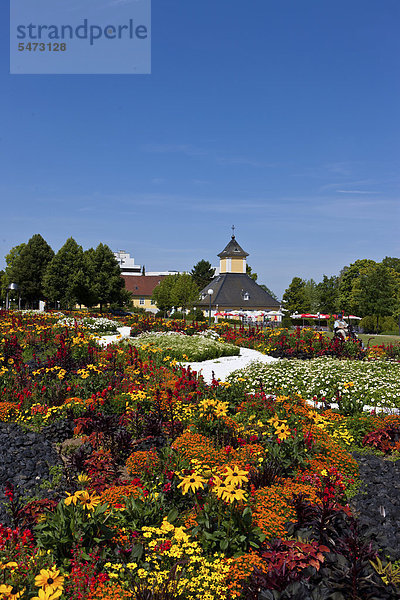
{"x":141,"y":301}
{"x":246,"y":296}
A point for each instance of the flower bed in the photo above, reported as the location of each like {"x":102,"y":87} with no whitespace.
{"x":350,"y":384}
{"x":182,"y":347}
{"x":172,"y":489}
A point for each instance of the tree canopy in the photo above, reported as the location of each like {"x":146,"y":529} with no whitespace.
{"x":179,"y":291}
{"x":202,"y":273}
{"x":375,"y":291}
{"x":64,"y":279}
{"x":29,"y":267}
{"x":105,"y":283}
{"x":295,"y":298}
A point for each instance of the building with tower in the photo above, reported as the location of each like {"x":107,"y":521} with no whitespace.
{"x":232,"y":289}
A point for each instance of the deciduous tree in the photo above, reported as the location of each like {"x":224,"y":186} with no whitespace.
{"x":294,"y":298}
{"x":63,"y":281}
{"x":106,"y":283}
{"x":29,"y":268}
{"x":376,"y":292}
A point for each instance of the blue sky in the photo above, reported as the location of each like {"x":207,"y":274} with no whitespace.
{"x":281,"y":118}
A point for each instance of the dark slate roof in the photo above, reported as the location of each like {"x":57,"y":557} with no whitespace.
{"x":229,"y":292}
{"x":233,"y":250}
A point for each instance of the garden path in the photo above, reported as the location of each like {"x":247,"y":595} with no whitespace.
{"x":224,"y":366}
{"x":123,"y":332}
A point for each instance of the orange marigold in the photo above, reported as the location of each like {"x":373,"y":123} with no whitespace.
{"x":140,"y":462}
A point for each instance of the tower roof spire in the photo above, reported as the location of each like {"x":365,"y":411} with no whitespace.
{"x":232,"y":249}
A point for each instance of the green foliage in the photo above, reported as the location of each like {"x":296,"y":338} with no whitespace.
{"x":65,"y":280}
{"x":73,"y":525}
{"x":177,"y":290}
{"x":249,"y":272}
{"x":146,"y":511}
{"x":105,"y":281}
{"x":328,"y":294}
{"x":10,"y":273}
{"x":295,"y":297}
{"x":389,"y":573}
{"x":202,"y":273}
{"x":29,"y":268}
{"x":226,"y":528}
{"x":375,"y":291}
{"x":348,"y":275}
{"x":312,"y":296}
{"x":392,"y":263}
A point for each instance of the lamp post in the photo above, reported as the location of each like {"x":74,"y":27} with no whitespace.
{"x":319,"y":320}
{"x":13,"y":287}
{"x":210,"y":293}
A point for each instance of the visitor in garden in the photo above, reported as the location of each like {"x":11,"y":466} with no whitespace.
{"x":340,"y":326}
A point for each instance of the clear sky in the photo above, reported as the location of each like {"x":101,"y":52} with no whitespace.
{"x":280,"y":117}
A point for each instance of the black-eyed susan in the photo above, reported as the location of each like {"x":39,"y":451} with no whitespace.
{"x":89,"y":502}
{"x":47,"y":595}
{"x":232,"y":493}
{"x":283,"y":432}
{"x":192,"y":482}
{"x":219,"y":487}
{"x":50,"y":580}
{"x":73,"y":498}
{"x":235,"y":476}
{"x":9,"y":592}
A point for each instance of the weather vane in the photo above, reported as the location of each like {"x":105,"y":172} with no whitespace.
{"x":233,"y":231}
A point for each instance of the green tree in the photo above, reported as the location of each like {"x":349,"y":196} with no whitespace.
{"x":162,"y":294}
{"x":179,"y":291}
{"x":2,"y":286}
{"x":310,"y":289}
{"x":295,"y":298}
{"x":11,"y":261}
{"x":202,"y":273}
{"x":392,"y":263}
{"x":328,"y":294}
{"x":250,"y":273}
{"x":376,"y":292}
{"x":348,"y":275}
{"x":184,"y":291}
{"x":29,"y":268}
{"x":64,"y":279}
{"x":106,"y":283}
{"x":270,"y":292}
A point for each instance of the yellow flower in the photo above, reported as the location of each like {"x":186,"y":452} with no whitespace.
{"x":50,"y":580}
{"x":8,"y":592}
{"x":8,"y":565}
{"x":193,"y":482}
{"x":232,"y":493}
{"x":235,"y":476}
{"x":87,"y":501}
{"x":47,"y":595}
{"x":324,"y":472}
{"x":83,"y":478}
{"x":221,"y":409}
{"x":180,"y":535}
{"x":166,"y":525}
{"x":73,"y":499}
{"x":282,"y":432}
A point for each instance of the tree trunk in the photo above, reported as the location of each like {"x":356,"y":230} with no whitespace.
{"x":377,"y":324}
